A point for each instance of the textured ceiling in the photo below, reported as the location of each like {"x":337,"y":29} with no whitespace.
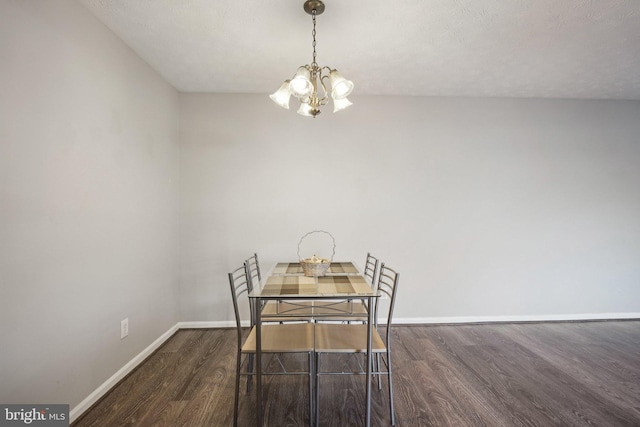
{"x":496,"y":48}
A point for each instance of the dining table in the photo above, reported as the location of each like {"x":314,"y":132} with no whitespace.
{"x":286,"y":283}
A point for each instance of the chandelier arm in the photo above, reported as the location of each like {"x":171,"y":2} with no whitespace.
{"x":303,"y":66}
{"x":325,"y":94}
{"x":314,"y":93}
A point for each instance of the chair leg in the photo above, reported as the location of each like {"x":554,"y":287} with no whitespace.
{"x":250,"y":370}
{"x":237,"y":392}
{"x":317,"y":395}
{"x":311,"y":378}
{"x":378,"y":370}
{"x":390,"y":382}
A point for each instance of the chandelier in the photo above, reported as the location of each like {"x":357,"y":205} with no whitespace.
{"x":309,"y":79}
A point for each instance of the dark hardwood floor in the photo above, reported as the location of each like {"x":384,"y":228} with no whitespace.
{"x":527,"y":374}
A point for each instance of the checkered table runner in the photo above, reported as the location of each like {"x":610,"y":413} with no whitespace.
{"x":296,"y":268}
{"x":336,"y":285}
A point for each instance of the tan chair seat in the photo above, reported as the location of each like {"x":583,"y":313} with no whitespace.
{"x":286,"y":338}
{"x":346,"y":339}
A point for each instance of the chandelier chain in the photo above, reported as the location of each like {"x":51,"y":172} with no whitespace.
{"x":313,"y":34}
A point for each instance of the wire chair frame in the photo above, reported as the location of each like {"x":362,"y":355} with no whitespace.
{"x":371,"y":268}
{"x":240,"y":284}
{"x":387,"y":284}
{"x":254,"y":277}
{"x":253,"y":266}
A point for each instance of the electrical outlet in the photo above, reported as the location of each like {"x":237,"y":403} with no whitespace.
{"x":124,"y":328}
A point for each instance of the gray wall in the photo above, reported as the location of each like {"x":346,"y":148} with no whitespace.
{"x":88,"y":197}
{"x":490,"y":208}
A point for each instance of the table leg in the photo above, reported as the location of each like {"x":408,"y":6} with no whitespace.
{"x":258,"y":321}
{"x":369,"y":361}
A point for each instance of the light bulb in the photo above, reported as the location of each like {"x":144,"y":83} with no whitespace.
{"x":340,"y":87}
{"x":300,"y":84}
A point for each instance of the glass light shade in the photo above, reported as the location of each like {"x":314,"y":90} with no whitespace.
{"x":300,"y":84}
{"x":340,"y":87}
{"x":282,"y":95}
{"x":305,"y":110}
{"x":341,"y":104}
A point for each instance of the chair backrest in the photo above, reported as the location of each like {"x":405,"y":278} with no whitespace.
{"x":371,"y":268}
{"x":254,"y":277}
{"x":253,"y":271}
{"x":387,"y":285}
{"x":240,"y":284}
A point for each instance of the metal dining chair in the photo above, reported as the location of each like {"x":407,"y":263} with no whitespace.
{"x":254,"y":276}
{"x":276,"y":311}
{"x":371,"y":268}
{"x":352,"y":338}
{"x":253,"y":269}
{"x":370,"y":273}
{"x":276,"y":339}
{"x":356,"y":309}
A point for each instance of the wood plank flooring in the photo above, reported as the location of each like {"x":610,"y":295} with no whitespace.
{"x":527,"y":374}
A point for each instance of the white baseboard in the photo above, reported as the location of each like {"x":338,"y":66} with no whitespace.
{"x":514,"y":319}
{"x":133,"y":363}
{"x":123,"y":372}
{"x":210,"y":325}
